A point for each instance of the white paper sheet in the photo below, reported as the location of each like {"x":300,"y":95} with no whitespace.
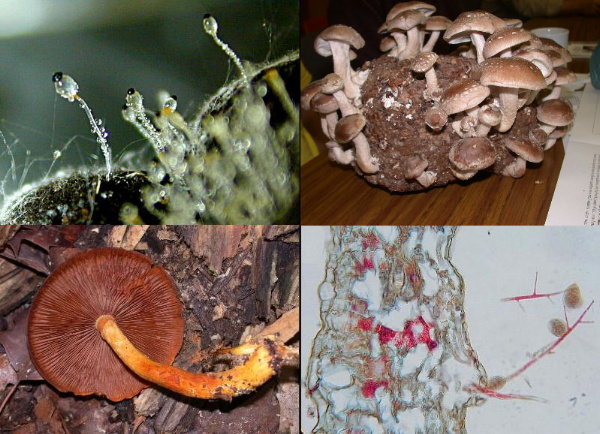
{"x":576,"y":200}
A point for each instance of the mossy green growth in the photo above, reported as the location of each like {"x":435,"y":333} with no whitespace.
{"x":238,"y":163}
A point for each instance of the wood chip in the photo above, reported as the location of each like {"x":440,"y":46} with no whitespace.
{"x":286,"y":327}
{"x":126,"y":237}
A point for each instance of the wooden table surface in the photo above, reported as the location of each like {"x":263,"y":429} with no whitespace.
{"x":333,"y":194}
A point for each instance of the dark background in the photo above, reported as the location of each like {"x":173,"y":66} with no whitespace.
{"x":108,"y":46}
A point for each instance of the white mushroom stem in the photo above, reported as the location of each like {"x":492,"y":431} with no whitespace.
{"x":474,"y":112}
{"x":426,"y":178}
{"x":431,"y":41}
{"x":328,"y":123}
{"x":337,"y":154}
{"x":400,"y":39}
{"x":509,"y":100}
{"x":463,"y":175}
{"x":365,"y":160}
{"x":478,"y":41}
{"x":470,"y":53}
{"x":546,"y":127}
{"x":412,"y":45}
{"x":516,"y":169}
{"x":346,"y":107}
{"x":456,"y":127}
{"x":482,"y":129}
{"x":341,"y":66}
{"x":549,"y":144}
{"x":554,"y":94}
{"x":468,"y":124}
{"x":433,"y":86}
{"x":531,"y":96}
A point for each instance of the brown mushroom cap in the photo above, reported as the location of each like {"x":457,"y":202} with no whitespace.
{"x":339,"y":33}
{"x":424,"y":8}
{"x":512,"y":72}
{"x":538,"y":136}
{"x":309,"y":92}
{"x":538,"y":58}
{"x":558,"y":133}
{"x":555,"y":51}
{"x":463,"y":94}
{"x":525,"y":149}
{"x":323,"y":103}
{"x":64,"y":343}
{"x":474,"y":21}
{"x":437,"y":23}
{"x":424,"y":61}
{"x":331,"y":83}
{"x":555,"y":112}
{"x":516,"y":169}
{"x":405,"y":20}
{"x":349,"y":127}
{"x":503,"y":39}
{"x":387,"y":43}
{"x":472,"y":153}
{"x":513,"y":22}
{"x":564,"y":76}
{"x":436,"y":118}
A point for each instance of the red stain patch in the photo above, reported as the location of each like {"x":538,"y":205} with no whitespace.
{"x":385,"y":334}
{"x":370,"y":386}
{"x":365,"y":324}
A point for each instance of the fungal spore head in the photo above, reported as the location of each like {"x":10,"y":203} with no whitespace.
{"x":65,"y":86}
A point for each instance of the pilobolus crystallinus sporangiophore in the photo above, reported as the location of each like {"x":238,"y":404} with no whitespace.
{"x":235,"y":160}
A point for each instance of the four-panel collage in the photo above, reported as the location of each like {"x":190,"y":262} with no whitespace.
{"x":299,"y":216}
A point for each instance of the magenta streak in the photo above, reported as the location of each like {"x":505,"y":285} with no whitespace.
{"x":370,"y":386}
{"x":550,"y":347}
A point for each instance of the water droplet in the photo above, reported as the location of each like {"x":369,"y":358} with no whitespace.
{"x":170,"y":104}
{"x":66,"y":87}
{"x":261,"y":89}
{"x":210,"y":24}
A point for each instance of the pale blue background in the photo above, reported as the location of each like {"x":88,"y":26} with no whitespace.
{"x":499,"y":262}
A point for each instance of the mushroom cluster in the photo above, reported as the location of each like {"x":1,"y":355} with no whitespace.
{"x":410,"y":119}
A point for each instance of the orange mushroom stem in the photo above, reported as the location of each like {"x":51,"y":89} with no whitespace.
{"x":264,"y":361}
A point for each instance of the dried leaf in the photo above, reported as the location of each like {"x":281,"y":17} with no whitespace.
{"x":14,"y":342}
{"x":30,"y":245}
{"x":8,"y":375}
